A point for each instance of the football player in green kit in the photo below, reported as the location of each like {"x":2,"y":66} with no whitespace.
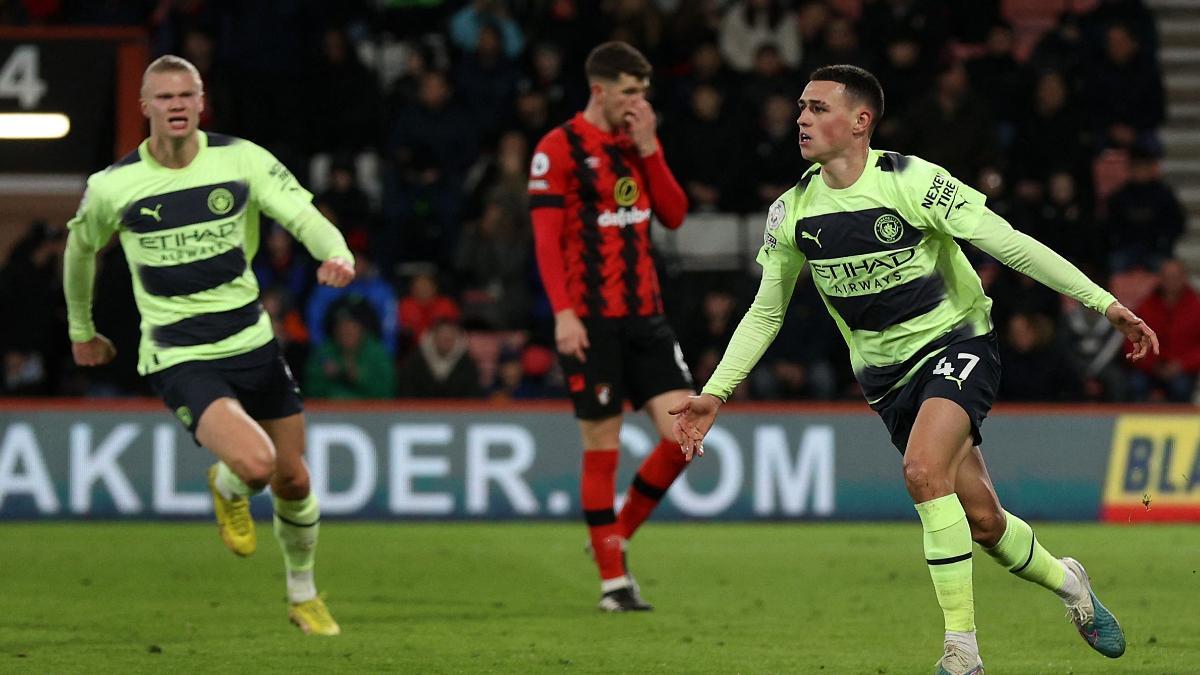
{"x":185,"y":206}
{"x":878,"y":230}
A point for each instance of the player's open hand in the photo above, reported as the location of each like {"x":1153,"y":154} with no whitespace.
{"x":336,"y":272}
{"x":643,"y":127}
{"x":1135,"y":330}
{"x":95,"y":352}
{"x":694,"y":416}
{"x":570,"y":335}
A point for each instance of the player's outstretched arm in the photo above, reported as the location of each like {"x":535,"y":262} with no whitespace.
{"x":694,"y":416}
{"x":336,"y":272}
{"x":1135,"y":330}
{"x":95,"y":352}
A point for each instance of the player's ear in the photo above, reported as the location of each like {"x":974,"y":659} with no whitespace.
{"x":862,"y":121}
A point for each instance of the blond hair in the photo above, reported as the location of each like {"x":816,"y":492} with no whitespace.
{"x":172,"y":64}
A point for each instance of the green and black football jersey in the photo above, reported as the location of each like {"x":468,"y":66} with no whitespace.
{"x":189,"y":235}
{"x":884,"y":257}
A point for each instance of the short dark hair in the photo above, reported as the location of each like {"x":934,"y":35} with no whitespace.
{"x":612,"y":59}
{"x":859,"y":82}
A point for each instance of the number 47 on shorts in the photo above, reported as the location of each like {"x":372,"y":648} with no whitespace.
{"x":946,"y":368}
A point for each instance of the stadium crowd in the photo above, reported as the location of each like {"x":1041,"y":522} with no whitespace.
{"x":412,"y":122}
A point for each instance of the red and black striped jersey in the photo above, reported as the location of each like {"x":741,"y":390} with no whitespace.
{"x":592,"y":195}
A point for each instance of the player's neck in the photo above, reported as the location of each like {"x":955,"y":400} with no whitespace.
{"x":595,"y":116}
{"x":844,"y":170}
{"x":174,"y":153}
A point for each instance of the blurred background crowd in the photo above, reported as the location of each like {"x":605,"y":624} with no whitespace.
{"x":413,"y":121}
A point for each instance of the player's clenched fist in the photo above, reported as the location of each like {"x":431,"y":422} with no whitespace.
{"x":336,"y":272}
{"x":95,"y":352}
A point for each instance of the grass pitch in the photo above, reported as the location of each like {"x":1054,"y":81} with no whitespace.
{"x":520,"y":598}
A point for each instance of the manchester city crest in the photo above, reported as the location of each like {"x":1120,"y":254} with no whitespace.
{"x":889,"y":228}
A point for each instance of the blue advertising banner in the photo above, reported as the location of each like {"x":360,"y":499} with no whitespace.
{"x":475,"y":461}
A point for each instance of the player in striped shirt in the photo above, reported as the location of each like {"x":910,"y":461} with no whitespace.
{"x":186,"y":206}
{"x":594,"y":184}
{"x":879,"y":230}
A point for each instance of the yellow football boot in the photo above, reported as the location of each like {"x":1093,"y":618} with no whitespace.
{"x":312,"y":616}
{"x":233,"y":519}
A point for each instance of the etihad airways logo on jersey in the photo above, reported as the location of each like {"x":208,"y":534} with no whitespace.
{"x":177,"y":239}
{"x":847,"y":277}
{"x":623,"y":217}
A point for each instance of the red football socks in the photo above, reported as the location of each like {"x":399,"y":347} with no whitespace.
{"x":653,"y":478}
{"x":596,"y":492}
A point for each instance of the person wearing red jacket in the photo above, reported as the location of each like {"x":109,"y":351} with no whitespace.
{"x":594,"y":183}
{"x":1174,"y":309}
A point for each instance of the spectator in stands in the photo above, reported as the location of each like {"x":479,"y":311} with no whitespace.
{"x":370,"y":294}
{"x":31,"y":303}
{"x":525,"y":374}
{"x":774,"y":165}
{"x":1001,"y":82}
{"x":637,"y":22}
{"x":501,"y":176}
{"x":768,"y":76}
{"x":278,"y":264}
{"x":708,"y":331}
{"x":345,"y":204}
{"x":704,"y":68}
{"x":440,"y":366}
{"x":951,"y":127}
{"x":353,"y":365}
{"x":1174,"y":310}
{"x":486,"y":79}
{"x":812,"y":20}
{"x":1125,"y":93}
{"x":342,"y":101}
{"x":564,"y":93}
{"x":703,"y":168}
{"x":468,"y":22}
{"x":907,"y":78}
{"x":1145,"y":219}
{"x":920,"y":20}
{"x":694,"y":22}
{"x":432,"y":143}
{"x":1065,"y":223}
{"x":492,"y":267}
{"x":1049,"y":133}
{"x":1036,"y":368}
{"x":531,"y":113}
{"x":288,"y":327}
{"x":423,"y":306}
{"x":1097,"y":352}
{"x":749,"y":24}
{"x":838,"y":44}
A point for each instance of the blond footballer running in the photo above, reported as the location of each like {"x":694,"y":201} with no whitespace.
{"x":185,"y":206}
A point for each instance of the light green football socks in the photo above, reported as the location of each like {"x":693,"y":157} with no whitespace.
{"x":1020,"y":553}
{"x":297,"y":523}
{"x":948,"y":554}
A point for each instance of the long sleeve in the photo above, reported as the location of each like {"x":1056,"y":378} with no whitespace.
{"x":322,"y":239}
{"x":90,"y":229}
{"x":782,"y":263}
{"x":667,"y":198}
{"x":547,"y":237}
{"x":755,"y":332}
{"x":993,"y":235}
{"x":79,"y":274}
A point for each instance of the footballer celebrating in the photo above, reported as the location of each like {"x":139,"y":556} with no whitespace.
{"x":594,"y":183}
{"x":878,"y":230}
{"x":186,"y":207}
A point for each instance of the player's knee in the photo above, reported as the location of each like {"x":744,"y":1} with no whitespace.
{"x":987,"y":526}
{"x":293,"y":486}
{"x":917,"y":471}
{"x":255,"y":468}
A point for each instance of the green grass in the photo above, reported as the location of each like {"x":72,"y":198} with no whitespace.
{"x":520,"y":598}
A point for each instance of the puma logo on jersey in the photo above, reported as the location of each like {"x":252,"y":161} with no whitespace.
{"x":955,"y":380}
{"x":152,"y":212}
{"x":815,"y":237}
